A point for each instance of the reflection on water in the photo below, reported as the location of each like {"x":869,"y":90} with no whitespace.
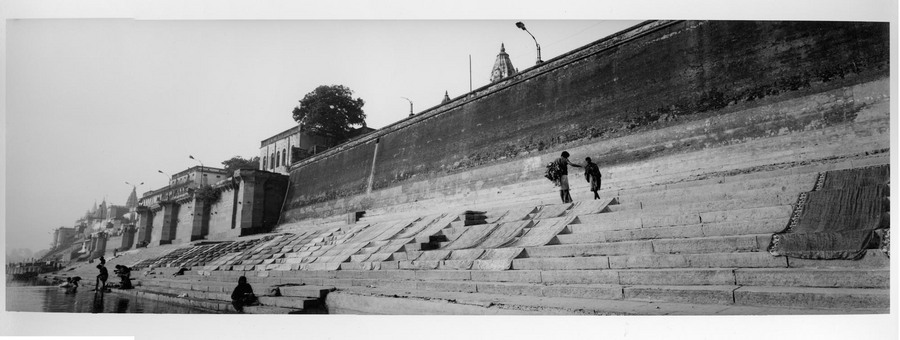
{"x":22,"y":297}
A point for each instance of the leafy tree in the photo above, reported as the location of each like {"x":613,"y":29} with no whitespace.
{"x":330,"y":111}
{"x":238,"y":162}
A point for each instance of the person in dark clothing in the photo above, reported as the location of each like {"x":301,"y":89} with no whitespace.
{"x":102,"y":261}
{"x":124,"y":274}
{"x":592,"y":175}
{"x":563,"y":164}
{"x":242,"y":295}
{"x":101,"y":278}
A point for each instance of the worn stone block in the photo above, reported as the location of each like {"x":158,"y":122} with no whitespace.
{"x":684,"y":277}
{"x":567,"y":263}
{"x":443,"y":275}
{"x":446,"y":286}
{"x":507,"y":276}
{"x":509,"y":288}
{"x":648,"y":261}
{"x":579,"y":276}
{"x":718,"y":244}
{"x":605,"y":292}
{"x":721,"y":295}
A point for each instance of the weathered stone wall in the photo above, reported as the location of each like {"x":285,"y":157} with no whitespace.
{"x":221,"y":219}
{"x":615,"y":94}
{"x":184,"y":222}
{"x":157,"y":223}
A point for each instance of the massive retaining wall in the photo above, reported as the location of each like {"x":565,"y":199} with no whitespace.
{"x":782,"y":91}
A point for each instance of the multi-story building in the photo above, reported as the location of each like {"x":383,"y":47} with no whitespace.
{"x":278,"y":152}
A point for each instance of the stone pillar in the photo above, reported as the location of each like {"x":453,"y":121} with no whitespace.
{"x":56,"y":242}
{"x":127,"y":237}
{"x":99,"y":245}
{"x":252,"y":200}
{"x":200,"y":223}
{"x":169,"y":222}
{"x":144,"y":226}
{"x":92,"y":245}
{"x":260,"y":198}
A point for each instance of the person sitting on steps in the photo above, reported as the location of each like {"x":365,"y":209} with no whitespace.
{"x":242,"y":295}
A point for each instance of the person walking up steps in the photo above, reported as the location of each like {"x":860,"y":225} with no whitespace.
{"x":592,"y":175}
{"x":563,"y":164}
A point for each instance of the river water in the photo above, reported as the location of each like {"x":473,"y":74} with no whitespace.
{"x":30,"y":296}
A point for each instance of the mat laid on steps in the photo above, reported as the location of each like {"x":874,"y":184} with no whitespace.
{"x":839,"y":218}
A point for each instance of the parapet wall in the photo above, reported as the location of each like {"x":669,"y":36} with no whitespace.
{"x":679,"y":89}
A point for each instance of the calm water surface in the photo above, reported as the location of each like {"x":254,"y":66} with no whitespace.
{"x":25,"y":296}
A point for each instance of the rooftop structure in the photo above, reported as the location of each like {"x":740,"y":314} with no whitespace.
{"x":503,"y":67}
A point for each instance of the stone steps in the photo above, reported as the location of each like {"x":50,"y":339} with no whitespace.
{"x":804,"y":297}
{"x":195,"y":299}
{"x":699,"y":245}
{"x":696,"y":242}
{"x":711,"y":190}
{"x":360,"y":300}
{"x":719,"y":294}
{"x":818,"y":277}
{"x":631,"y":231}
{"x":599,"y":274}
{"x":294,"y":303}
{"x":632,"y":219}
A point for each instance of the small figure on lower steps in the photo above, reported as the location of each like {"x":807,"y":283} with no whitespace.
{"x":242,"y":295}
{"x":592,"y":175}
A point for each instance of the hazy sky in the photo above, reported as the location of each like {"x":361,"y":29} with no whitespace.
{"x":93,"y":103}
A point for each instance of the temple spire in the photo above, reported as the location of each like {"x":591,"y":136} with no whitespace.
{"x":502,"y":66}
{"x":132,"y":199}
{"x":446,"y":98}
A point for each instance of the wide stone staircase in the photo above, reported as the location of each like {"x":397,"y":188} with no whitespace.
{"x":690,"y":246}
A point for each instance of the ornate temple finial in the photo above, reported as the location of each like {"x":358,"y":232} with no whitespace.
{"x":502,"y":66}
{"x":446,"y":98}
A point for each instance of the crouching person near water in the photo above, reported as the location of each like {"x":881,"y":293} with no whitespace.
{"x":124,"y":274}
{"x":242,"y":295}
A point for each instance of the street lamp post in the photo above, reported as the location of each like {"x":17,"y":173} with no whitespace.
{"x":167,"y":175}
{"x":410,"y":106}
{"x":522,"y":26}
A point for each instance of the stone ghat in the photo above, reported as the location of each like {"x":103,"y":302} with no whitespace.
{"x":696,"y":247}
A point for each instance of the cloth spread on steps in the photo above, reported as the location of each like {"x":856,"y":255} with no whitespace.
{"x":472,"y":236}
{"x":542,"y":233}
{"x":504,"y":234}
{"x":839,"y":218}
